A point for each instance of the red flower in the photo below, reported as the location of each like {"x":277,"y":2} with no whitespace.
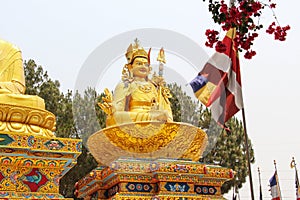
{"x":224,"y":8}
{"x":249,"y":54}
{"x":220,"y":47}
{"x":271,"y":29}
{"x":241,"y":16}
{"x":286,"y":28}
{"x":272,"y":5}
{"x":212,"y":37}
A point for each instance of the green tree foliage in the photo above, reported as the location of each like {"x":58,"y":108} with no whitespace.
{"x":87,"y":119}
{"x":184,"y":109}
{"x":39,"y":83}
{"x":230,"y":151}
{"x":84,"y":109}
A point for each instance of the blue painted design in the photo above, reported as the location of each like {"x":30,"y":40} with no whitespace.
{"x":30,"y":140}
{"x":79,"y":146}
{"x":5,"y":139}
{"x":3,"y":194}
{"x":177,"y":187}
{"x":139,"y":187}
{"x":51,"y":196}
{"x":154,"y":166}
{"x":205,"y":190}
{"x":27,"y":196}
{"x":34,"y":178}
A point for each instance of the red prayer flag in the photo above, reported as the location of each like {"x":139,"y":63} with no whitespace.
{"x":218,"y":84}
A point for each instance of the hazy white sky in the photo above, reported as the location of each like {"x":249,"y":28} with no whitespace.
{"x":60,"y":35}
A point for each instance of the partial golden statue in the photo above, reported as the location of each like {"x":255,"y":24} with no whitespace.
{"x":12,"y":78}
{"x":139,"y":119}
{"x":19,"y":112}
{"x":138,"y":98}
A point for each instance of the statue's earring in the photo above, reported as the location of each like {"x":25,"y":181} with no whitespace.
{"x":126,"y":73}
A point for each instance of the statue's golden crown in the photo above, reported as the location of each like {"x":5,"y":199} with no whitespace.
{"x":134,"y":51}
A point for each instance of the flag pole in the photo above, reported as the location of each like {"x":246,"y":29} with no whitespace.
{"x":231,"y":3}
{"x":293,"y":165}
{"x":233,"y":193}
{"x":277,"y":180}
{"x":248,"y":154}
{"x":260,"y":189}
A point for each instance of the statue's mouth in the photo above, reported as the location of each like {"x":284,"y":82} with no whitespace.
{"x":143,"y":70}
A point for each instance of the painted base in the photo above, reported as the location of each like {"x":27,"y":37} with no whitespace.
{"x":31,"y":166}
{"x":130,"y":178}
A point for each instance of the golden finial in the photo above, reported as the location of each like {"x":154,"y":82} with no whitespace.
{"x":161,"y":56}
{"x":136,"y":43}
{"x":293,"y":163}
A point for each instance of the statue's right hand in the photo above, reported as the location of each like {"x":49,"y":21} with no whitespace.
{"x":106,"y":107}
{"x":108,"y":96}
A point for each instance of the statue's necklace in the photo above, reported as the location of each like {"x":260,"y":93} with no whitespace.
{"x":145,"y":87}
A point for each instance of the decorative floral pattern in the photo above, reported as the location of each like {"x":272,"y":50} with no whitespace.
{"x":54,"y":144}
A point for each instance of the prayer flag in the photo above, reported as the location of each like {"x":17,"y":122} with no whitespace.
{"x":218,"y":84}
{"x":275,"y":190}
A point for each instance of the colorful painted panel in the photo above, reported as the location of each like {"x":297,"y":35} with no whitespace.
{"x":139,"y":187}
{"x":205,"y":190}
{"x":177,"y":187}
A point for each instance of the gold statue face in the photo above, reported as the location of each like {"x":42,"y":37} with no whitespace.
{"x":140,"y":68}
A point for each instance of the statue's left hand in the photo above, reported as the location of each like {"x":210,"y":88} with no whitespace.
{"x":158,"y":115}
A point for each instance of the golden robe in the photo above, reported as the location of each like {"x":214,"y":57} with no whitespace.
{"x":138,"y":101}
{"x":12,"y":78}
